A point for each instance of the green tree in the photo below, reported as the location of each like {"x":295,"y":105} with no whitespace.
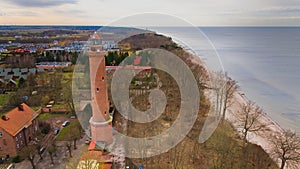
{"x":21,"y":82}
{"x":45,"y":100}
{"x":67,"y":97}
{"x":74,"y":58}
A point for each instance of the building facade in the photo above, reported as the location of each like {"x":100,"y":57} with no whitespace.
{"x":18,"y":128}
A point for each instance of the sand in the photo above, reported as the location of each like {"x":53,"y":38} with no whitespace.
{"x":261,"y":138}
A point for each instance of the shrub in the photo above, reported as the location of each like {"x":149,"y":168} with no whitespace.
{"x":45,"y":128}
{"x":16,"y":159}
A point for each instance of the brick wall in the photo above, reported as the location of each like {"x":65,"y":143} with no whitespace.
{"x":7,"y":144}
{"x":12,"y":145}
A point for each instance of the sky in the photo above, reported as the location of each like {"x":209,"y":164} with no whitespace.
{"x":196,"y":12}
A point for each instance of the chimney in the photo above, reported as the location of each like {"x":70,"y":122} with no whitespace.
{"x":20,"y":107}
{"x":5,"y":118}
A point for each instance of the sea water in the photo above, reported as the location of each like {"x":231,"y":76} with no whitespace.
{"x":264,"y":60}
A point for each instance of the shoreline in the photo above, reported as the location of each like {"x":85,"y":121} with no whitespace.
{"x":259,"y":138}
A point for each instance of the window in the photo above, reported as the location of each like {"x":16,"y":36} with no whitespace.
{"x":17,"y":138}
{"x":20,"y":135}
{"x":21,"y":142}
{"x":0,"y":134}
{"x":18,"y":146}
{"x":4,"y":142}
{"x":97,"y":89}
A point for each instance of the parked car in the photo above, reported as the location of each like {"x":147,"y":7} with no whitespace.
{"x":65,"y":123}
{"x":56,"y":131}
{"x":42,"y":149}
{"x":87,"y":141}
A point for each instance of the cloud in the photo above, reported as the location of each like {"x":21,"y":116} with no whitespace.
{"x":72,"y":12}
{"x":25,"y":13}
{"x":271,"y":11}
{"x":2,"y":13}
{"x":42,"y":3}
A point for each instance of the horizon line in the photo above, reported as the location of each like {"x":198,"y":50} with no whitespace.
{"x":44,"y":25}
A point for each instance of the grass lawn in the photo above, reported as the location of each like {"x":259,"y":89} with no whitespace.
{"x":4,"y":99}
{"x":59,"y":106}
{"x":68,"y":75}
{"x":36,"y":108}
{"x":62,"y":134}
{"x":46,"y":116}
{"x":65,"y":130}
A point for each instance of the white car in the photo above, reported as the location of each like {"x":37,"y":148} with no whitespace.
{"x":65,"y":123}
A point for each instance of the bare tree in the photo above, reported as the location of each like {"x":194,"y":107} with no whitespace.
{"x":217,"y":86}
{"x":51,"y":150}
{"x":69,"y":147}
{"x":230,"y":86}
{"x":38,"y":148}
{"x":29,"y":153}
{"x":249,"y":119}
{"x":286,"y":147}
{"x":76,"y":133}
{"x":224,"y":88}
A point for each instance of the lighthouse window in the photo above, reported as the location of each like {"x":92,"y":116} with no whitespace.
{"x":97,"y":89}
{"x":102,"y":78}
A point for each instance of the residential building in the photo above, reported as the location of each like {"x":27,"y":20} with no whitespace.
{"x":18,"y":128}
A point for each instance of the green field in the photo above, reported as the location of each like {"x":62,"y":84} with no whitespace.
{"x":7,"y":38}
{"x":46,"y":116}
{"x":63,"y":134}
{"x":4,"y":99}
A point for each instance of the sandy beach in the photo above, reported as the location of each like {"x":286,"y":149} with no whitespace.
{"x":260,"y":138}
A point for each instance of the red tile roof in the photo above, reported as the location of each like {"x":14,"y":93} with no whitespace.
{"x":17,"y":119}
{"x":92,"y":145}
{"x":137,"y":60}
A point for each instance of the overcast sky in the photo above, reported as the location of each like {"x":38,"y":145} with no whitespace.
{"x":197,"y":12}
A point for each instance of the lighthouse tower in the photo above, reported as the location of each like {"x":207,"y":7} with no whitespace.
{"x":101,"y":121}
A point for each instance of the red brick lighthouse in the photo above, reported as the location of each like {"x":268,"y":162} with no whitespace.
{"x":101,"y":121}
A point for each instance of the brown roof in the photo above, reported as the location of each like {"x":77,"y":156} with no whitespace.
{"x":17,"y":119}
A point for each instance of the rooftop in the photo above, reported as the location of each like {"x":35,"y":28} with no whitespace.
{"x":17,"y":119}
